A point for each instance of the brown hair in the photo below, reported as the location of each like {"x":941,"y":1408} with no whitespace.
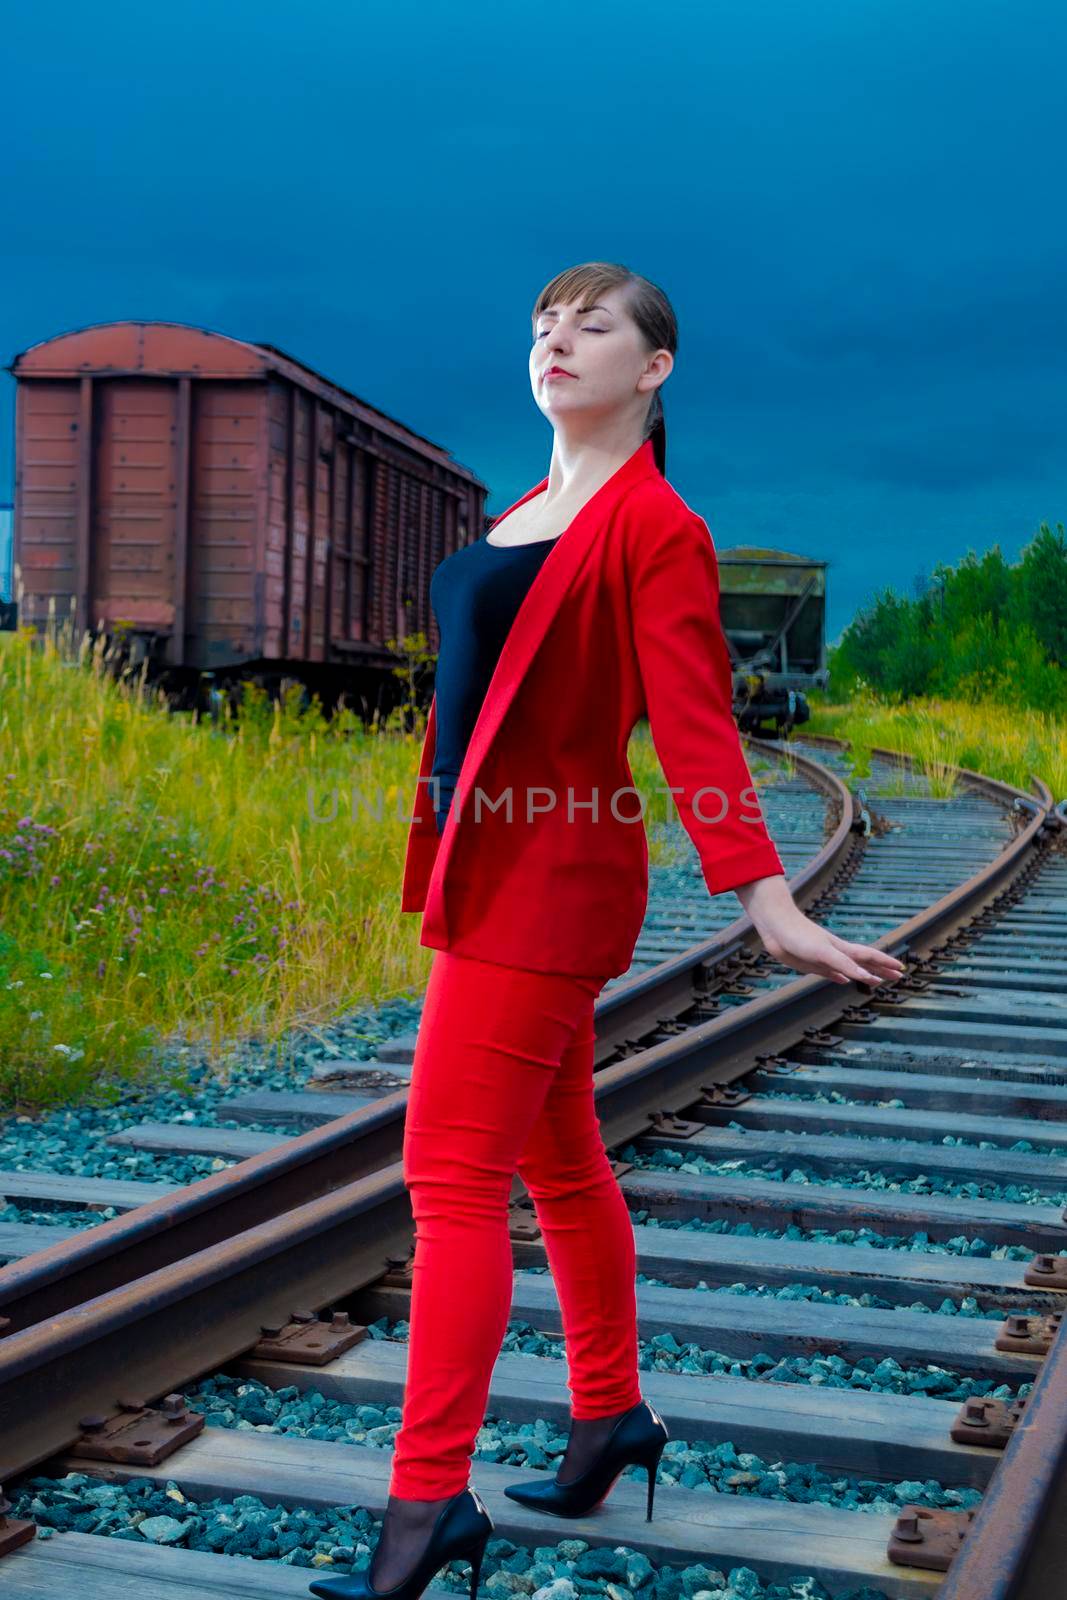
{"x":647,"y":305}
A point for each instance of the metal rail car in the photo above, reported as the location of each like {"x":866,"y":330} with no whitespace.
{"x":224,"y":508}
{"x":772,"y":606}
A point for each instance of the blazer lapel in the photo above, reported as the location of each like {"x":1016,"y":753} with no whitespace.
{"x":543,"y":599}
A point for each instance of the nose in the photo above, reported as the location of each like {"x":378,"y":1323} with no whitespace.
{"x":557,"y":342}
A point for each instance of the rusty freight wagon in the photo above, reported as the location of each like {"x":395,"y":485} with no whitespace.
{"x":226,"y":509}
{"x":772,"y":606}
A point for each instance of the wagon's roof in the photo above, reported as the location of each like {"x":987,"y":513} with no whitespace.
{"x":758,"y":552}
{"x":176,"y":349}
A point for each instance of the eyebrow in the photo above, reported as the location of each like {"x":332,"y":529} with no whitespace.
{"x":582,"y":310}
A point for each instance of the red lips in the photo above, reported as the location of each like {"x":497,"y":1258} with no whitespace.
{"x":562,"y":370}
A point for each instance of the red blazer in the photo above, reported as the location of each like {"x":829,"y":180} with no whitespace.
{"x":621,"y":621}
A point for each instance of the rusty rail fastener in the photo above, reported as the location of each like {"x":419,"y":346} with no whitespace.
{"x":775,"y":1064}
{"x":668,"y":1125}
{"x":983,"y":1420}
{"x":1028,"y":1335}
{"x":924,"y":1537}
{"x":308,"y":1341}
{"x":723,"y":1094}
{"x":1046,"y":1272}
{"x":140,"y":1435}
{"x":819,"y":1036}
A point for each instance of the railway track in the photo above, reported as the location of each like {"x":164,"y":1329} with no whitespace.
{"x":849,"y":1213}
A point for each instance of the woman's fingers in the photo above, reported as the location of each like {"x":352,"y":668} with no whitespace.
{"x":852,"y":970}
{"x":838,"y":967}
{"x":842,"y":961}
{"x":870,"y":956}
{"x":807,"y":946}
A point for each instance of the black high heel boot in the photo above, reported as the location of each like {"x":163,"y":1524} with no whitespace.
{"x":461,"y":1530}
{"x":637,"y":1439}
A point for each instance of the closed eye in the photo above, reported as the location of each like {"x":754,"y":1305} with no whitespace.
{"x":584,"y":330}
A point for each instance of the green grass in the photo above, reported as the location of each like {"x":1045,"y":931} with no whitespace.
{"x":165,"y":878}
{"x":162,"y":876}
{"x":1002,"y":741}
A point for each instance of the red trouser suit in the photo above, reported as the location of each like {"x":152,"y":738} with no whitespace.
{"x":502,"y":1082}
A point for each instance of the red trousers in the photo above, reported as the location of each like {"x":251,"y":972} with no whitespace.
{"x":502,"y":1082}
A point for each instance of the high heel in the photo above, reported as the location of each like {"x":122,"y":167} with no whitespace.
{"x":637,"y":1439}
{"x":461,"y":1531}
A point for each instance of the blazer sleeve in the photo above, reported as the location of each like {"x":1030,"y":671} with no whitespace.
{"x":685,"y":672}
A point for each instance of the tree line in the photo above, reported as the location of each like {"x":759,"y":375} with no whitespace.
{"x":984,"y":629}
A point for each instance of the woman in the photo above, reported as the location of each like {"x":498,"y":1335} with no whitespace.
{"x":591,"y":602}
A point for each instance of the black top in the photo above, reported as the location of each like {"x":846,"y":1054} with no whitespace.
{"x":475,"y":593}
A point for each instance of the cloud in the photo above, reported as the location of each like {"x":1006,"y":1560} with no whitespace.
{"x":945,"y":457}
{"x":1012,"y":315}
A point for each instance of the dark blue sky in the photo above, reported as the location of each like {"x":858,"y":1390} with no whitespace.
{"x":854,"y":205}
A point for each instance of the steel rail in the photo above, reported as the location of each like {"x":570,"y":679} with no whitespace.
{"x":1016,"y":1547}
{"x":192,"y":1315}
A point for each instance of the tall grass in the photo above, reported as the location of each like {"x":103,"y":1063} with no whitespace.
{"x":165,"y":878}
{"x":1003,"y":741}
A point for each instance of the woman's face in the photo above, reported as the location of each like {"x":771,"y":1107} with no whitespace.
{"x":611,"y":370}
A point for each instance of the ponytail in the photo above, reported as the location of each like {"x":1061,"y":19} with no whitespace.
{"x":656,"y":430}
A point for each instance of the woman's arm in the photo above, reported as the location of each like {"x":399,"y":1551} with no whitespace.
{"x":685,"y":670}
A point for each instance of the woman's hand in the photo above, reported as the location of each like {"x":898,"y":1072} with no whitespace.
{"x":807,"y":947}
{"x":798,"y":942}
